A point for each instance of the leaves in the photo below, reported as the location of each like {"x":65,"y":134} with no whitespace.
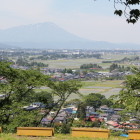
{"x":134,"y":16}
{"x":129,"y":95}
{"x":19,"y":90}
{"x":118,"y":12}
{"x":132,"y":2}
{"x":131,"y":14}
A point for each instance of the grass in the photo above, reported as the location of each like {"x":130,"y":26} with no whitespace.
{"x":93,"y":87}
{"x":112,"y":83}
{"x":76,"y":63}
{"x":56,"y":137}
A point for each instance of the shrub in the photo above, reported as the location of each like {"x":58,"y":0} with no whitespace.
{"x":116,"y":133}
{"x":62,"y":128}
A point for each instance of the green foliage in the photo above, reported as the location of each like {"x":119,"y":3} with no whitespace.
{"x":43,"y":97}
{"x":103,"y":125}
{"x":63,"y":90}
{"x":117,"y":105}
{"x":24,"y":62}
{"x":74,"y":102}
{"x":118,"y":68}
{"x":19,"y":92}
{"x":88,"y":66}
{"x":55,"y":56}
{"x":67,"y":71}
{"x":116,"y":133}
{"x":81,"y":123}
{"x":96,"y":100}
{"x":125,"y":115}
{"x":81,"y":111}
{"x":85,"y":72}
{"x":129,"y":95}
{"x":62,"y":128}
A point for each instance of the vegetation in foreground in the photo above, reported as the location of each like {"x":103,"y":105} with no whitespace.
{"x":56,"y":137}
{"x":20,"y":82}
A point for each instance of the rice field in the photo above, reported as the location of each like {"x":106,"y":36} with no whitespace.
{"x":76,"y":63}
{"x":106,"y":88}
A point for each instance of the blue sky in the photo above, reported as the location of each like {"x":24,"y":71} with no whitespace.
{"x":89,"y":19}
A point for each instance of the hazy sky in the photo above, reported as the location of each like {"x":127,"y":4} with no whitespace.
{"x":89,"y":19}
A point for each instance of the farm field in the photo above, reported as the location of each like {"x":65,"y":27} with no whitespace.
{"x":76,"y":63}
{"x":106,"y":88}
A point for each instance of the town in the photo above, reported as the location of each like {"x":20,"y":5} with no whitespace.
{"x":95,"y":108}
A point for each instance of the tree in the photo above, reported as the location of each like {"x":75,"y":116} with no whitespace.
{"x":81,"y":111}
{"x":69,"y":70}
{"x":96,"y":100}
{"x":18,"y":89}
{"x":74,"y":102}
{"x":129,"y":95}
{"x":63,"y":90}
{"x":133,"y":14}
{"x":85,"y":72}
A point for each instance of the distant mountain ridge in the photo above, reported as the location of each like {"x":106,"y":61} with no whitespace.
{"x":50,"y":36}
{"x":3,"y":46}
{"x":41,"y":32}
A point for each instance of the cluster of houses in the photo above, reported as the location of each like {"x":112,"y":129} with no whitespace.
{"x":57,"y":74}
{"x":19,"y":67}
{"x":109,"y":116}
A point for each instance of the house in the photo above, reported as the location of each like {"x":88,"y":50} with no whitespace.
{"x":93,"y":118}
{"x":93,"y":113}
{"x":117,"y":110}
{"x":116,"y":118}
{"x":90,"y":109}
{"x":2,"y":95}
{"x":38,"y":104}
{"x":104,"y":108}
{"x":112,"y":124}
{"x":60,"y":120}
{"x":45,"y":121}
{"x":61,"y":79}
{"x":104,"y":116}
{"x":63,"y":113}
{"x":69,"y":110}
{"x":110,"y":111}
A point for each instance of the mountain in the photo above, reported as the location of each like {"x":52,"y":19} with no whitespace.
{"x":3,"y":46}
{"x":50,"y":36}
{"x":41,"y":32}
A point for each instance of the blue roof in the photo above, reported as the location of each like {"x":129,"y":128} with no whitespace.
{"x":94,"y":113}
{"x":68,"y":110}
{"x":74,"y":112}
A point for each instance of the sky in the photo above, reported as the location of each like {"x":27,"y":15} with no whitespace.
{"x":90,"y":19}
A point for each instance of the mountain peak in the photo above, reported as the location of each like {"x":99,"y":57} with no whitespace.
{"x":40,"y":32}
